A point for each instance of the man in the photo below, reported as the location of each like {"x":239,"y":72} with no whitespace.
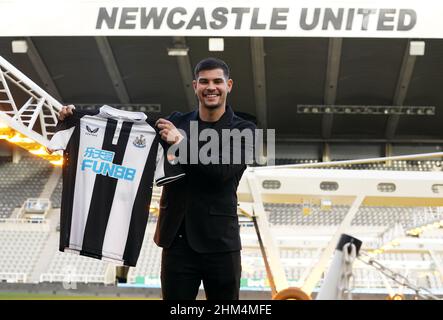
{"x":198,"y":224}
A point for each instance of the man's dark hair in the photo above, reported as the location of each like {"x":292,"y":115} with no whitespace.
{"x":211,"y":64}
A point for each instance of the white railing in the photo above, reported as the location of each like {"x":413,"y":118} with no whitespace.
{"x":25,"y":225}
{"x":23,"y":221}
{"x":79,"y":278}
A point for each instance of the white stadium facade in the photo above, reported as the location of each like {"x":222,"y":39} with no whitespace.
{"x":347,"y":92}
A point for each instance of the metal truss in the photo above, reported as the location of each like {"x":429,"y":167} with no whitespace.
{"x":37,"y":117}
{"x":292,"y":184}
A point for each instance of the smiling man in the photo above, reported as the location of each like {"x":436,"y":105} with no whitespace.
{"x":212,"y":88}
{"x":198,"y":223}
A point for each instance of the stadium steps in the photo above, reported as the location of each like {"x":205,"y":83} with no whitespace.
{"x":56,"y":197}
{"x":50,"y":248}
{"x":51,"y":184}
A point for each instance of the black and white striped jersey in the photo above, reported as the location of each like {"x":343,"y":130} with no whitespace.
{"x":111,"y":158}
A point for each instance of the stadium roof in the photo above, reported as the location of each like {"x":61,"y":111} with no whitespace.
{"x":273,"y":77}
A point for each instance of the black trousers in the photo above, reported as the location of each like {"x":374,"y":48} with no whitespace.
{"x":183,"y":270}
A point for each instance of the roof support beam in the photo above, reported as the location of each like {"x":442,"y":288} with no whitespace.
{"x":403,"y":140}
{"x":326,"y":152}
{"x":404,"y":78}
{"x":388,"y":153}
{"x":112,"y":68}
{"x":186,"y":73}
{"x":259,"y":79}
{"x":332,"y":72}
{"x":42,"y":70}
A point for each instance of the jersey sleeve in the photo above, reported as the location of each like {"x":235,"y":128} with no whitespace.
{"x":167,"y":170}
{"x":63,"y":133}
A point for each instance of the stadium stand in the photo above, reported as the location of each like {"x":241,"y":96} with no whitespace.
{"x":85,"y":269}
{"x":408,"y":165}
{"x":292,"y":214}
{"x":19,"y":251}
{"x":56,"y":197}
{"x":148,"y":265}
{"x":25,"y":179}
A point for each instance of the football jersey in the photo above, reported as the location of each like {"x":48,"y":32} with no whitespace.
{"x":111,"y":158}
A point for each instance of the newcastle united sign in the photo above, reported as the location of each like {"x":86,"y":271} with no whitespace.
{"x":296,"y":18}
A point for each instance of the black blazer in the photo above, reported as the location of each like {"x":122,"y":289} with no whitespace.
{"x":206,"y":197}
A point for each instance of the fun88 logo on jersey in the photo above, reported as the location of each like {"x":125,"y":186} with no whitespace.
{"x":100,"y":162}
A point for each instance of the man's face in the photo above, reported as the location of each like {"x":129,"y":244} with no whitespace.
{"x":211,"y":88}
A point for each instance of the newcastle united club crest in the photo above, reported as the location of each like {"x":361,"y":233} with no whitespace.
{"x":140,"y":142}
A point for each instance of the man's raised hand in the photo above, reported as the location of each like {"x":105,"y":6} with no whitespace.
{"x":168,"y":131}
{"x":65,"y":112}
